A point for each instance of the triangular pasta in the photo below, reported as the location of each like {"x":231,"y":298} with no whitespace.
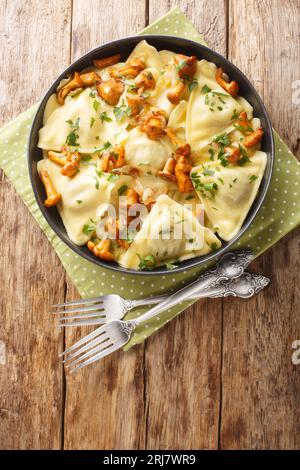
{"x":227,"y":193}
{"x":170,"y":233}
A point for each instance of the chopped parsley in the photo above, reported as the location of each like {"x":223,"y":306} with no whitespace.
{"x":148,"y":263}
{"x":222,"y":139}
{"x":192,"y":84}
{"x":235,"y":115}
{"x":88,"y":229}
{"x":73,"y":136}
{"x":170,"y":265}
{"x":205,"y":89}
{"x":253,"y":178}
{"x":86,"y":158}
{"x":112,"y":177}
{"x":105,"y":117}
{"x":214,"y":246}
{"x":122,"y":189}
{"x":244,"y":159}
{"x":79,"y":201}
{"x":92,"y":121}
{"x":189,"y":196}
{"x":211,"y":153}
{"x":208,"y":172}
{"x":121,"y":111}
{"x":96,"y":105}
{"x":242,"y":128}
{"x":105,"y":146}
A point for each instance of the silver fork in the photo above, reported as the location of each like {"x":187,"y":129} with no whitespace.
{"x":113,"y":307}
{"x":115,"y":334}
{"x":244,"y":287}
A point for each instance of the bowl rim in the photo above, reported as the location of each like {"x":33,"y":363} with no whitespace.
{"x":192,"y":262}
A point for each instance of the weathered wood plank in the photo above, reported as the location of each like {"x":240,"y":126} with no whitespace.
{"x":34,"y":46}
{"x":260,"y":399}
{"x":105,"y":402}
{"x":183,"y":360}
{"x":208,"y":17}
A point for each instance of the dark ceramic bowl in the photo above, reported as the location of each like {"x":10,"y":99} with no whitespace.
{"x":124,"y":47}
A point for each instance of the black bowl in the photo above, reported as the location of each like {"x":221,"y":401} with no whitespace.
{"x":124,"y":47}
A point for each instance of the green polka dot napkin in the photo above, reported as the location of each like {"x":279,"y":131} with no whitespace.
{"x":279,"y":215}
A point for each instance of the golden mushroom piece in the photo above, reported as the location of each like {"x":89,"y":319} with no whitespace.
{"x":110,"y":90}
{"x":155,"y":124}
{"x":186,"y":66}
{"x":145,"y":80}
{"x":168,"y":170}
{"x":69,"y":161}
{"x":113,"y":158}
{"x":254,"y":138}
{"x":131,"y":69}
{"x":78,"y":81}
{"x":232,"y":88}
{"x":52,"y":196}
{"x":181,"y":148}
{"x":101,"y":249}
{"x":106,"y":61}
{"x":182,"y":173}
{"x":175,"y":94}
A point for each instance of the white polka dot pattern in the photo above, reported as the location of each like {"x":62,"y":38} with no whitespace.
{"x":282,"y":202}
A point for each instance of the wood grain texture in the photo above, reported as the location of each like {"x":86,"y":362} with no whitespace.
{"x":31,"y":380}
{"x":208,"y":17}
{"x":183,"y":360}
{"x":260,"y":385}
{"x":105,"y":403}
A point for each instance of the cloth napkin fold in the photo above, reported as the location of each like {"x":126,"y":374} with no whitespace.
{"x":279,"y":215}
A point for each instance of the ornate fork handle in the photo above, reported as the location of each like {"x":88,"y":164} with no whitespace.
{"x":230,"y":266}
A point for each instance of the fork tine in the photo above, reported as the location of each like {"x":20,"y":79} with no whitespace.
{"x":84,"y":340}
{"x":98,"y":347}
{"x":98,"y":356}
{"x":99,"y":321}
{"x":79,"y":302}
{"x":82,"y":316}
{"x":87,"y":347}
{"x":95,"y":307}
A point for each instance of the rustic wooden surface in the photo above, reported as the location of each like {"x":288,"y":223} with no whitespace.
{"x":220,"y":375}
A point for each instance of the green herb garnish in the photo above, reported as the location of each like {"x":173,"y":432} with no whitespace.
{"x":253,"y":178}
{"x":148,"y":263}
{"x":192,"y":84}
{"x":235,"y":115}
{"x":170,"y":265}
{"x":105,"y":117}
{"x":205,"y":89}
{"x":244,"y":159}
{"x":73,"y":136}
{"x":122,"y":189}
{"x":96,"y":105}
{"x":88,"y":229}
{"x":92,"y":121}
{"x":121,"y":111}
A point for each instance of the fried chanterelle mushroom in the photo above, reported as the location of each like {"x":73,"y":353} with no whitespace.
{"x":52,"y":196}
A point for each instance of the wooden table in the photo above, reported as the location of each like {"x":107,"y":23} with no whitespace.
{"x":220,"y":375}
